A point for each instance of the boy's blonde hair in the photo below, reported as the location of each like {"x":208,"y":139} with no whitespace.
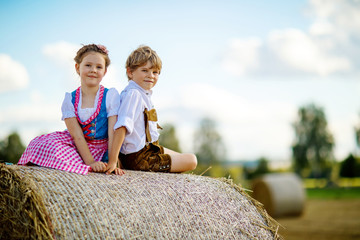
{"x":140,"y":56}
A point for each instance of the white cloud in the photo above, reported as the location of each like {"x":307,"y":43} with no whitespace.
{"x":13,"y":75}
{"x":34,"y":112}
{"x":343,"y":130}
{"x":242,"y":55}
{"x":62,"y":53}
{"x":31,"y":119}
{"x":249,"y":129}
{"x":342,"y":15}
{"x":301,"y":52}
{"x":112,"y":79}
{"x":330,"y":45}
{"x":36,"y":96}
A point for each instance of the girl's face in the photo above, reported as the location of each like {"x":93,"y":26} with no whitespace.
{"x":145,"y":76}
{"x":91,"y":69}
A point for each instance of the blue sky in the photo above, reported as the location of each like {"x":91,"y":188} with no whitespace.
{"x":249,"y":65}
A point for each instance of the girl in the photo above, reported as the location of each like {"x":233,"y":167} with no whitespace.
{"x":89,"y":113}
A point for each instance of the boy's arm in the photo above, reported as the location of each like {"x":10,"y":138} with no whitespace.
{"x":81,"y":145}
{"x":114,"y":148}
{"x":111,"y":122}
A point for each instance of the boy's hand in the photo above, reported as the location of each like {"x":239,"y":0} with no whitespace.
{"x":98,"y":166}
{"x":112,"y":167}
{"x":119,"y":171}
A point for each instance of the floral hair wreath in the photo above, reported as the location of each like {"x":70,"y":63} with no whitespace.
{"x":102,"y":48}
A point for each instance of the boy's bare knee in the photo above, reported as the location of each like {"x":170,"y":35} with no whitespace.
{"x":192,"y":162}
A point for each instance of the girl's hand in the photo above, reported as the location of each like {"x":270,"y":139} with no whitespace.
{"x":98,"y":166}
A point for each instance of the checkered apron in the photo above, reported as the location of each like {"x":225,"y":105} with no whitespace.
{"x":57,"y":150}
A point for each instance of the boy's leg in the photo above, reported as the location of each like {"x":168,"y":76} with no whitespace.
{"x":181,"y":162}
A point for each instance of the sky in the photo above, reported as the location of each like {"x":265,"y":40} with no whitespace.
{"x":248,"y":65}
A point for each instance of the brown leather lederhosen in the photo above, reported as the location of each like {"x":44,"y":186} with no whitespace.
{"x":151,"y":157}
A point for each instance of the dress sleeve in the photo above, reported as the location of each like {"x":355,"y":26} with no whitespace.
{"x":131,"y":107}
{"x":112,"y":102}
{"x":67,"y":108}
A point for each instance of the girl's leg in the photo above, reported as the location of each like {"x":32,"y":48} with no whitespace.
{"x":181,"y":162}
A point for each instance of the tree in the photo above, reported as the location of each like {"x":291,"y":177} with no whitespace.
{"x":357,"y":136}
{"x":350,"y":167}
{"x":261,"y":168}
{"x":12,"y":148}
{"x":168,"y":138}
{"x":313,"y":146}
{"x":208,"y":144}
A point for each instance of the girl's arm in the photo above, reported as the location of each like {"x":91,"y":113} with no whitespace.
{"x":114,"y":150}
{"x":81,"y":145}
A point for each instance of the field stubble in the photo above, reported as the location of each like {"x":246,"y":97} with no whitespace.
{"x":324,"y":219}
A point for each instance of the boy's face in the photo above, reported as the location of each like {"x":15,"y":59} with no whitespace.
{"x":145,"y":76}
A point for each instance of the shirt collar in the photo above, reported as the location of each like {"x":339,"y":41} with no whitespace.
{"x":133,"y":84}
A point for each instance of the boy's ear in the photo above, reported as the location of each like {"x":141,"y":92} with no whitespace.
{"x":128,"y":72}
{"x":77,"y":68}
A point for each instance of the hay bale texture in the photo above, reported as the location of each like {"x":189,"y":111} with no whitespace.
{"x":137,"y":205}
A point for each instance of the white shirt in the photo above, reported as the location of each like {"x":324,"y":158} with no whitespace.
{"x":133,"y":101}
{"x":112,"y":105}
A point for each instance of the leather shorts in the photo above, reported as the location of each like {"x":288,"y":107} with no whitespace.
{"x":151,"y":158}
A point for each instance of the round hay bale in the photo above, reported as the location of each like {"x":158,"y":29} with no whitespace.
{"x":23,"y":214}
{"x":145,"y":205}
{"x":281,"y":193}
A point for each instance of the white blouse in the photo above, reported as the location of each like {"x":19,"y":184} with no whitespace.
{"x":133,"y":101}
{"x":112,"y":105}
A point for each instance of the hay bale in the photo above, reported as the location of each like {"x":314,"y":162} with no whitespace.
{"x":281,"y":193}
{"x":23,"y":214}
{"x":145,"y":205}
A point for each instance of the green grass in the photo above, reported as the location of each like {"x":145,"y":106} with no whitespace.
{"x":333,"y":193}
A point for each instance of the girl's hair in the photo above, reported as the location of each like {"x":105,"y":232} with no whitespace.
{"x":140,"y":56}
{"x":92,"y":48}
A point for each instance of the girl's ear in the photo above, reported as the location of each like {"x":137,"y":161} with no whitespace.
{"x":77,"y":68}
{"x":128,"y":72}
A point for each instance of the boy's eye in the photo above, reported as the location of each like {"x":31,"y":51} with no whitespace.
{"x":99,"y":67}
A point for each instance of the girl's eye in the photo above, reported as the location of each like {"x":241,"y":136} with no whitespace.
{"x":144,"y":70}
{"x":99,"y":67}
{"x":155,"y":72}
{"x":88,"y":65}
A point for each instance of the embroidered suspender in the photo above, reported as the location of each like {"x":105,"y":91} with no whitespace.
{"x":150,"y":116}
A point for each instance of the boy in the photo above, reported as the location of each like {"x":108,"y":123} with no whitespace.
{"x":136,"y":128}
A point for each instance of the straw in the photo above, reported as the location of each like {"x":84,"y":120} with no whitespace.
{"x":146,"y":205}
{"x":23,"y":213}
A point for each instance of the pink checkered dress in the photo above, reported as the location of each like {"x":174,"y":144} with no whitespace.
{"x":57,"y":150}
